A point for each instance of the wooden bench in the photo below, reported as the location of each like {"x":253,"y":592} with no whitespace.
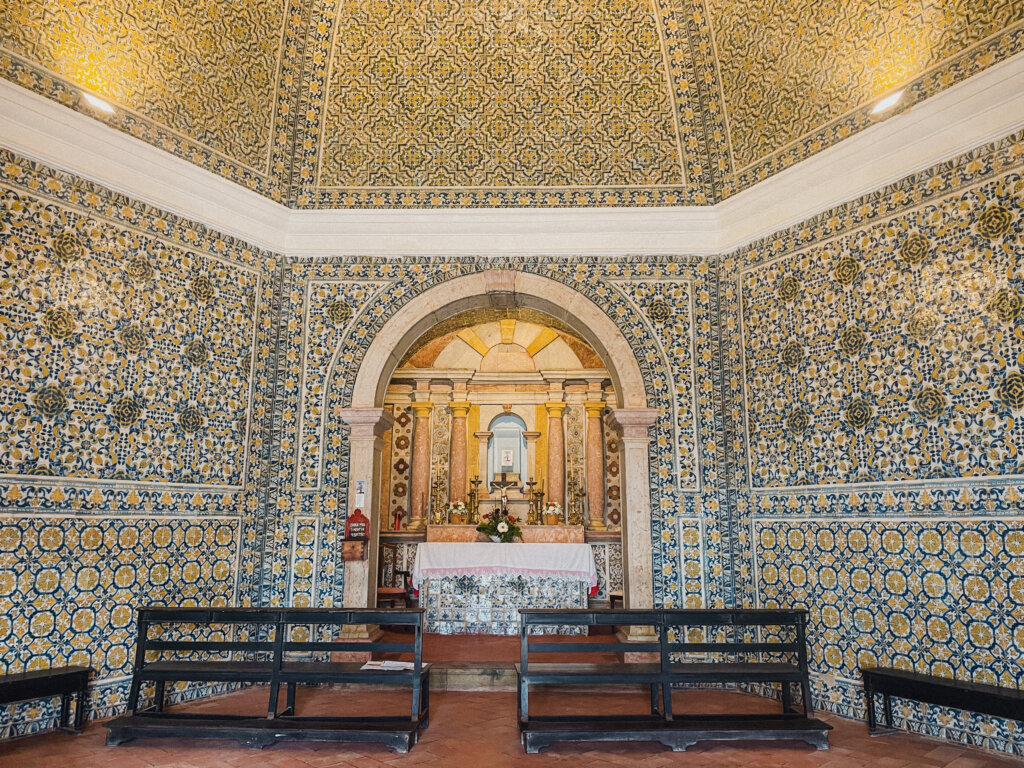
{"x":932,"y":689}
{"x":277,"y":647}
{"x":66,"y":682}
{"x":761,"y":659}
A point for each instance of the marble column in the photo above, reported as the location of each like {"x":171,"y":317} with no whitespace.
{"x":367,"y":427}
{"x":420,"y":465}
{"x":595,"y":465}
{"x":457,"y":464}
{"x":556,"y":454}
{"x":637,"y":563}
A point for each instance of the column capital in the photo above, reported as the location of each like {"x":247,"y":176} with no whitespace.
{"x":633,"y":422}
{"x":594,"y":408}
{"x":531,"y":437}
{"x":367,"y":422}
{"x":483,"y":435}
{"x":422,"y":408}
{"x":459,"y":408}
{"x":555,"y":408}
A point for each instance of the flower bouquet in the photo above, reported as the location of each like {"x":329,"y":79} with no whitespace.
{"x":500,"y":526}
{"x":457,"y":513}
{"x":551,"y":513}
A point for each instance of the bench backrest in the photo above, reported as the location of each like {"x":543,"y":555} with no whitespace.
{"x":274,"y":632}
{"x":755,"y":632}
{"x":317,"y":624}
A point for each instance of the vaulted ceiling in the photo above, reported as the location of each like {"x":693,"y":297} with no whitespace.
{"x":470,"y":103}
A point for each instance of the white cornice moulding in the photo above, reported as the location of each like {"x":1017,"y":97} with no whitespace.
{"x":43,"y":130}
{"x":988,"y":106}
{"x":505,"y":232}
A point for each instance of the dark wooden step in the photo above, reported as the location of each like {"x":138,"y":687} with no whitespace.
{"x":677,"y":734}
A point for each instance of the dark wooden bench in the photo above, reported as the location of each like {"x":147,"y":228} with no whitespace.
{"x":284,"y":647}
{"x":66,"y":682}
{"x":931,"y":689}
{"x":765,"y":646}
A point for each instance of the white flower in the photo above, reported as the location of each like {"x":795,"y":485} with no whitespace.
{"x":502,"y":527}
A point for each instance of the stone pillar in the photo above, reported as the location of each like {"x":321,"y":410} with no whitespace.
{"x":637,"y":564}
{"x":420,"y":490}
{"x":595,"y":465}
{"x":367,"y":426}
{"x":457,"y":481}
{"x":556,"y":454}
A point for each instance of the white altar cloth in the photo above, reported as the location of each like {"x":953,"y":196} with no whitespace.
{"x":564,"y":561}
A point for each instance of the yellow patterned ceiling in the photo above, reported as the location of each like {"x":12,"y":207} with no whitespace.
{"x":449,"y":103}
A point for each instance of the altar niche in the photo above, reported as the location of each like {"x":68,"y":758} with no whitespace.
{"x":500,"y":402}
{"x":506,"y":453}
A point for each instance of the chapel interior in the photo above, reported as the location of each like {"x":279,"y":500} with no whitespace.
{"x":719,"y":304}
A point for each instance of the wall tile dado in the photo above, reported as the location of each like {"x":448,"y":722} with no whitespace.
{"x":129,"y":408}
{"x":875,"y":380}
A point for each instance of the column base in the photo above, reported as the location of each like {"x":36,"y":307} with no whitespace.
{"x":597,"y":525}
{"x":358,"y":633}
{"x":638,"y":634}
{"x":417,"y":524}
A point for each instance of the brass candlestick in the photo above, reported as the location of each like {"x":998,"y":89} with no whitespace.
{"x":533,"y":515}
{"x":474,"y":501}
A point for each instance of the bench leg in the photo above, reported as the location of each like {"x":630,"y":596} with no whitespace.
{"x":80,"y":700}
{"x":805,"y":689}
{"x":65,"y":707}
{"x":417,"y":697}
{"x":655,"y":696}
{"x":869,"y":695}
{"x":133,"y":694}
{"x":787,"y":697}
{"x":666,"y":697}
{"x":524,"y":701}
{"x":275,"y":689}
{"x":425,"y":702}
{"x":289,"y":700}
{"x":887,"y":703}
{"x":158,"y":696}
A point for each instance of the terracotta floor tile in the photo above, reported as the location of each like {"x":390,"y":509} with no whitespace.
{"x":478,"y":730}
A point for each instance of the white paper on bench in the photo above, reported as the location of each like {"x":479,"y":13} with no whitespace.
{"x":389,"y":665}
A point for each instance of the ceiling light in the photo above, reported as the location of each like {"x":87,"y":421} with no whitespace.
{"x":887,"y":103}
{"x":98,"y":103}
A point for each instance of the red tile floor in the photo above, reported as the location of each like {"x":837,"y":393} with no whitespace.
{"x":478,"y":730}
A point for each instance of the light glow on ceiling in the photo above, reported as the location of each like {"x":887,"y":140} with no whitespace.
{"x":887,"y":103}
{"x":98,"y":103}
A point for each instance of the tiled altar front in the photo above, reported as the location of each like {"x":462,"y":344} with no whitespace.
{"x":479,"y":588}
{"x":489,"y":604}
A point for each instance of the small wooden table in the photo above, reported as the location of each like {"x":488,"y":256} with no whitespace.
{"x":43,"y":683}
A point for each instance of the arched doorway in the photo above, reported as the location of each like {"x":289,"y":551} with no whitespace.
{"x":503,"y":290}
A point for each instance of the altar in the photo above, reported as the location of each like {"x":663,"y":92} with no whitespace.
{"x":478,"y":588}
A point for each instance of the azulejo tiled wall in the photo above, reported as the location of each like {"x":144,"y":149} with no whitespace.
{"x":878,"y":367}
{"x":129,"y":396}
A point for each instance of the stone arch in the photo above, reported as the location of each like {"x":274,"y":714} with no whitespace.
{"x":499,"y":289}
{"x":506,"y":288}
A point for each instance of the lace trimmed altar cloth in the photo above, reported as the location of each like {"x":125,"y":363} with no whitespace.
{"x":560,"y":561}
